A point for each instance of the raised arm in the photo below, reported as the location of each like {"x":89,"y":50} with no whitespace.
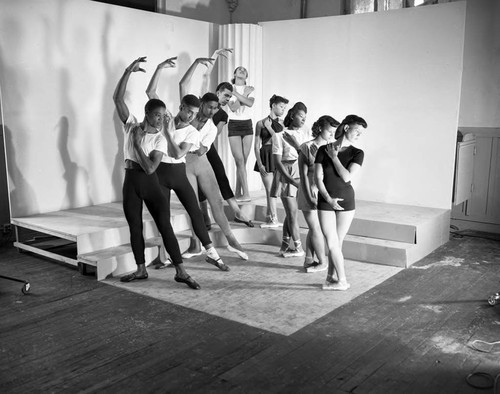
{"x":119,"y":95}
{"x":205,"y":87}
{"x":186,"y":79}
{"x":153,"y":84}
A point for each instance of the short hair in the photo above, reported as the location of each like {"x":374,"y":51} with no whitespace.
{"x":233,"y":80}
{"x":153,"y":104}
{"x":298,"y":106}
{"x":209,"y":97}
{"x":321,"y":123}
{"x":349,"y":120}
{"x":224,"y":85}
{"x":191,"y":100}
{"x":276,"y":100}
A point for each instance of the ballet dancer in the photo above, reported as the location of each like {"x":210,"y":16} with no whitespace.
{"x":323,"y":131}
{"x":200,"y":174}
{"x":224,"y":93}
{"x":336,"y":164}
{"x":286,"y":146}
{"x":181,"y":136}
{"x":240,"y":129}
{"x":144,"y":148}
{"x":263,"y":149}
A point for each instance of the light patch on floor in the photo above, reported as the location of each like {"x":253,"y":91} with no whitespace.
{"x":447,"y":261}
{"x":448,"y":345}
{"x":434,"y":308}
{"x":267,"y":292}
{"x":404,"y":299}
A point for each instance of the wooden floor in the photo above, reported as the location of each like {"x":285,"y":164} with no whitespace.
{"x":408,"y":334}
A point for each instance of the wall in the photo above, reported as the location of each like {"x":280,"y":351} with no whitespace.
{"x":400,"y":70}
{"x":480,"y":101}
{"x":58,"y":73}
{"x":256,"y":11}
{"x":215,"y":11}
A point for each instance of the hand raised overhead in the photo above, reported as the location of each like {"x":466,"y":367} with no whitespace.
{"x":169,"y":63}
{"x":223,"y":52}
{"x":206,"y":61}
{"x":136,"y":65}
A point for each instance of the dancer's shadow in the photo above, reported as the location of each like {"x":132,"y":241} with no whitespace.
{"x":77,"y":178}
{"x":23,"y":199}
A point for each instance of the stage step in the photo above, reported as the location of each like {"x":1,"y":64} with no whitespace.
{"x":118,"y":260}
{"x":380,"y":233}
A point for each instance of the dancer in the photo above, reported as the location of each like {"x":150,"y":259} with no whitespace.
{"x":240,"y":129}
{"x":200,"y":174}
{"x":144,"y":148}
{"x":263,"y":149}
{"x":336,"y":164}
{"x":286,"y":177}
{"x":323,"y":131}
{"x":172,"y":170}
{"x":224,"y":92}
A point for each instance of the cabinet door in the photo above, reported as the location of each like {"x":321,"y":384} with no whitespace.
{"x":477,"y":205}
{"x":493,"y":208}
{"x":464,"y":170}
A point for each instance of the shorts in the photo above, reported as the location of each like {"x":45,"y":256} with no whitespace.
{"x":239,"y":128}
{"x":347,"y":193}
{"x":302,"y":202}
{"x":280,"y":188}
{"x":267,"y":159}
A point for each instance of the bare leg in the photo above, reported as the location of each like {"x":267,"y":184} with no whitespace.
{"x":328,"y":222}
{"x":237,"y":149}
{"x":247,"y":147}
{"x":315,"y":236}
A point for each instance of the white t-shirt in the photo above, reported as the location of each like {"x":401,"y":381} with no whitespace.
{"x":207,"y":135}
{"x":149,"y":142}
{"x":283,"y":148}
{"x":187,"y":134}
{"x":243,"y":112}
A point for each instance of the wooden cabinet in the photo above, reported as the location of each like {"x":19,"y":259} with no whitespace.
{"x":482,"y":210}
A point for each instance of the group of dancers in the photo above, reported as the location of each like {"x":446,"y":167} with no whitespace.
{"x":310,"y":170}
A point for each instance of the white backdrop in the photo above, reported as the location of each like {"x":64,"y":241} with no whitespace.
{"x":60,"y":61}
{"x":400,"y":70}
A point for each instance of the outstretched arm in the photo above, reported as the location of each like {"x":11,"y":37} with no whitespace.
{"x":119,"y":95}
{"x":186,"y":79}
{"x":205,"y":87}
{"x":153,"y":84}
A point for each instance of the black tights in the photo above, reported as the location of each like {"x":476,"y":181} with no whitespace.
{"x":139,"y":187}
{"x":173,"y":177}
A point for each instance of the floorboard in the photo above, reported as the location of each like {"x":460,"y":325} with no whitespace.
{"x":411,"y":334}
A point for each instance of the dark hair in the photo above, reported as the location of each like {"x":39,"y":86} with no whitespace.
{"x":209,"y":97}
{"x":224,"y":85}
{"x":153,"y":104}
{"x":349,"y":120}
{"x":321,"y":123}
{"x":298,"y":106}
{"x":191,"y":100}
{"x":233,"y":80}
{"x":276,"y":100}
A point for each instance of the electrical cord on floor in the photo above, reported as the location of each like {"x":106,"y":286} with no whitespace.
{"x":472,"y":233}
{"x":484,"y":380}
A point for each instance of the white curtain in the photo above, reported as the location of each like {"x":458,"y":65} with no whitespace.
{"x":246,"y":40}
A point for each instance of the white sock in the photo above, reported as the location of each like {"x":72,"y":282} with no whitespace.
{"x":212,"y":253}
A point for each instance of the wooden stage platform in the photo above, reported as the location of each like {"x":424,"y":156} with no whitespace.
{"x":389,"y":234}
